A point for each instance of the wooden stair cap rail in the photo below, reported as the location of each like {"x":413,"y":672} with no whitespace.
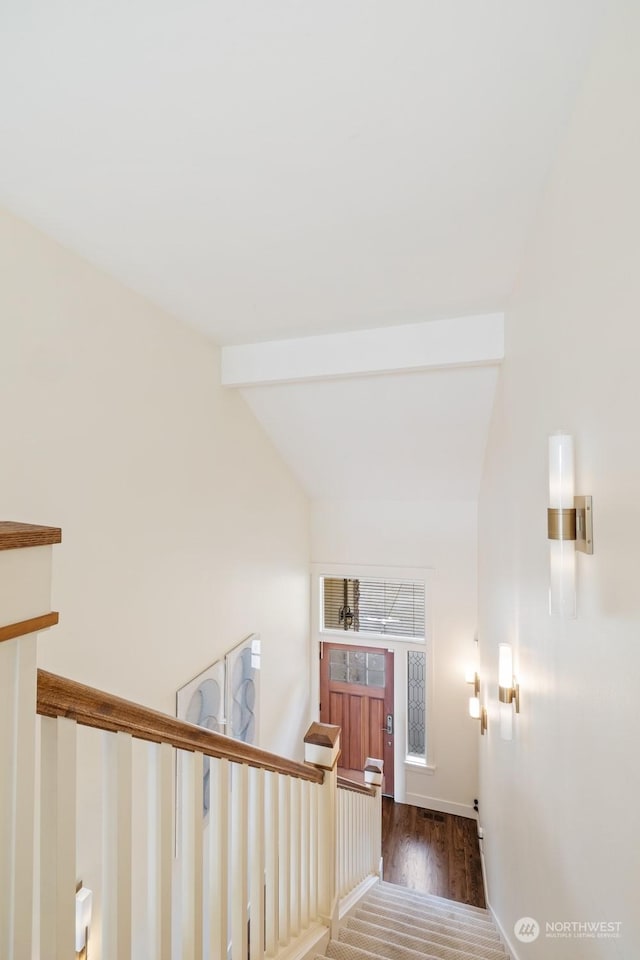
{"x":14,"y":536}
{"x":322,"y":734}
{"x":34,"y":625}
{"x":59,"y":697}
{"x":345,"y":784}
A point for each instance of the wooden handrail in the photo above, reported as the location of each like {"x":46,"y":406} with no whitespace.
{"x":34,"y":625}
{"x":14,"y":536}
{"x":345,"y":784}
{"x":59,"y":697}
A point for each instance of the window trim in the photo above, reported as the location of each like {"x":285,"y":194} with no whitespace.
{"x":400,"y":645}
{"x":362,"y":572}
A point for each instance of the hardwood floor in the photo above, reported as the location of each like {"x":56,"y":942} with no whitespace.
{"x":431,"y":852}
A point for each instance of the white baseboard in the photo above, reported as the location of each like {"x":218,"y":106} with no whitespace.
{"x":313,"y":941}
{"x":350,"y":902}
{"x":443,"y":806}
{"x":508,"y":943}
{"x":506,"y":940}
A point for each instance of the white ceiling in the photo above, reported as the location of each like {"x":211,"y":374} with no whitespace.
{"x":268,"y":168}
{"x":419,"y":436}
{"x":284,"y":168}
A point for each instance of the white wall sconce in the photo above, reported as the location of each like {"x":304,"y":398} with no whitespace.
{"x":84,"y":904}
{"x":508,"y":690}
{"x":471,"y":676}
{"x":477,"y":712}
{"x":569,"y":526}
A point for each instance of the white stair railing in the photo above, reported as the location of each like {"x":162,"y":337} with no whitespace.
{"x":264,"y":870}
{"x":236,"y":888}
{"x":25,"y":609}
{"x":359,"y":830}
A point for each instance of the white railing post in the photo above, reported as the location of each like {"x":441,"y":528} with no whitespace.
{"x":373,"y":775}
{"x":322,"y":749}
{"x":25,"y":610}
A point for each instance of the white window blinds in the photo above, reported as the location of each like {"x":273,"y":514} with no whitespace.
{"x":374,"y":606}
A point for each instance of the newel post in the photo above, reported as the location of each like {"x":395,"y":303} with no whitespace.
{"x":373,"y":775}
{"x":322,"y":749}
{"x":25,"y":609}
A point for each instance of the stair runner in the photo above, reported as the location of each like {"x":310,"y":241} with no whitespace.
{"x":395,"y":923}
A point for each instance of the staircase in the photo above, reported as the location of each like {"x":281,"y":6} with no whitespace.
{"x":395,"y":923}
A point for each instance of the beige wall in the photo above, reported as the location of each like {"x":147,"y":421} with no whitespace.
{"x":441,"y":537}
{"x":182,"y":529}
{"x":557,"y":803}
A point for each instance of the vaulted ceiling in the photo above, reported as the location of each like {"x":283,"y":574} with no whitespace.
{"x":280,"y":168}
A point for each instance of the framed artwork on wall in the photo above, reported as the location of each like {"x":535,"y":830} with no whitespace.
{"x":223,"y":698}
{"x":202,"y":701}
{"x":243,"y":690}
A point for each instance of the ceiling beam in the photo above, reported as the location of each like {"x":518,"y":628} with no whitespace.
{"x":463,"y":341}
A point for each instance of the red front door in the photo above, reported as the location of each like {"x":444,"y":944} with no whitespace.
{"x":356,"y":692}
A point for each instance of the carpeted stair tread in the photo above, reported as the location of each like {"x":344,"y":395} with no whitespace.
{"x":393,"y":950}
{"x":399,"y":912}
{"x":396,"y":921}
{"x":418,"y":911}
{"x":449,"y":945}
{"x":344,"y":951}
{"x":411,"y":909}
{"x":409,"y":894}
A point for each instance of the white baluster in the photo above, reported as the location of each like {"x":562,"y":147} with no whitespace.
{"x":313,"y":851}
{"x":294,"y":820}
{"x":161,"y":792}
{"x":117,"y":846}
{"x":272,"y":846}
{"x":239,"y":865}
{"x":341,"y":852}
{"x":256,"y":833}
{"x":191,"y":854}
{"x":305,"y":812}
{"x":284,"y":873}
{"x":219,"y":859}
{"x":360,"y":836}
{"x":351,"y":839}
{"x":8,"y":657}
{"x":58,"y":839}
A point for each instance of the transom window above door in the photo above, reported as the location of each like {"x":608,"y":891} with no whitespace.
{"x":382,"y":607}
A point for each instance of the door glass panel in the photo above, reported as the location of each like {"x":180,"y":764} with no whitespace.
{"x":357,"y":667}
{"x":375,"y":678}
{"x":375,"y":661}
{"x":338,"y":666}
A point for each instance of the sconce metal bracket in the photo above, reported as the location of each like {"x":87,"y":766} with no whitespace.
{"x":573,"y":523}
{"x":510,"y":695}
{"x":584,"y":524}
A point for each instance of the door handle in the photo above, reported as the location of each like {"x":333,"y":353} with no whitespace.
{"x":389,"y":725}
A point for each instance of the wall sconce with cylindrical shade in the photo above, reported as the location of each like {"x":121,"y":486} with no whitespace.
{"x":478,"y":712}
{"x":569,"y":526}
{"x":508,"y":690}
{"x":84,"y":904}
